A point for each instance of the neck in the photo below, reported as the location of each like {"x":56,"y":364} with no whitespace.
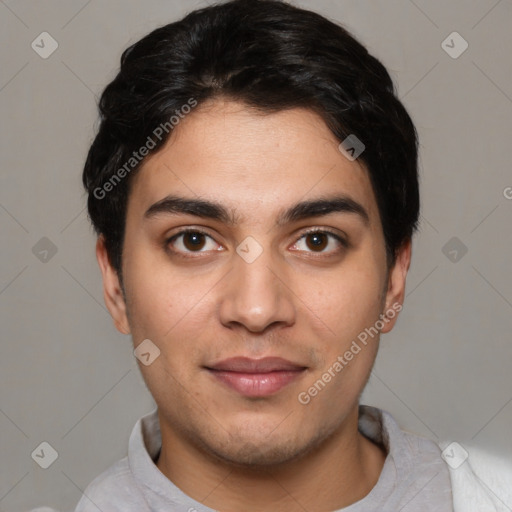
{"x":341,"y":471}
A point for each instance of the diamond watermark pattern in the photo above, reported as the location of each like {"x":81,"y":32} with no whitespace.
{"x":44,"y":45}
{"x":146,"y":352}
{"x":454,"y":249}
{"x":454,"y":455}
{"x":45,"y":455}
{"x":249,"y":249}
{"x":454,"y":45}
{"x":44,"y":250}
{"x":351,"y":147}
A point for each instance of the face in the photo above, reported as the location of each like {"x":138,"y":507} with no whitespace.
{"x":253,"y":259}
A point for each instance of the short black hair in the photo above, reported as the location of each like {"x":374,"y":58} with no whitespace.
{"x":272,"y":56}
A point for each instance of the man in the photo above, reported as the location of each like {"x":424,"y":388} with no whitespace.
{"x":254,"y":187}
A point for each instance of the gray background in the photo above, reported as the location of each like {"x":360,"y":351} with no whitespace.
{"x":68,"y":377}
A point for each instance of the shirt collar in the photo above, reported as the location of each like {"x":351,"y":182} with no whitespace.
{"x":146,"y":441}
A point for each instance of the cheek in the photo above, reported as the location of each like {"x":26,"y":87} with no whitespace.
{"x":152,"y":304}
{"x":347,"y":300}
{"x":150,"y":308}
{"x":165,"y":305}
{"x":167,"y":309}
{"x":349,"y":303}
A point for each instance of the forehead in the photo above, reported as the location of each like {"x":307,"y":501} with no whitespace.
{"x":249,"y":160}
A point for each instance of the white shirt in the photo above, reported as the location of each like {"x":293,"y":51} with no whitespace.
{"x":414,"y":477}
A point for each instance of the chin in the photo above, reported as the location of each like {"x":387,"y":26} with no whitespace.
{"x":263,"y":450}
{"x":252,"y":455}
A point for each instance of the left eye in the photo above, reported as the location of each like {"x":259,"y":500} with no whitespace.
{"x":193,"y":241}
{"x":319,"y":241}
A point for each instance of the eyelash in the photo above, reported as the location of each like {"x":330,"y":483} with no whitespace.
{"x":343,"y":242}
{"x":337,"y":237}
{"x":181,"y":233}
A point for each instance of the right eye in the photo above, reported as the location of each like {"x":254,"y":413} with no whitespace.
{"x":192,"y":241}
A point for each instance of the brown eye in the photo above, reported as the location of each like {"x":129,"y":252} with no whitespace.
{"x":191,"y":241}
{"x":194,"y":241}
{"x":317,"y":241}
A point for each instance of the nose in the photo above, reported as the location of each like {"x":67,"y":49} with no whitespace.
{"x":255,"y":295}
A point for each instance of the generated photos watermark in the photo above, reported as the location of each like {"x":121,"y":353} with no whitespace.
{"x":305,"y":397}
{"x":145,"y":149}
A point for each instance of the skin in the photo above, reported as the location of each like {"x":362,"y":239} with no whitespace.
{"x":204,"y":303}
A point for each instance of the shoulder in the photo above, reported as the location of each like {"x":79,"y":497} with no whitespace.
{"x":481,"y":480}
{"x":409,"y":450}
{"x":114,"y":490}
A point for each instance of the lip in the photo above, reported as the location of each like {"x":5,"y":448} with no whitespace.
{"x":256,"y":377}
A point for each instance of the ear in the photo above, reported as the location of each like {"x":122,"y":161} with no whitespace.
{"x":396,"y":286}
{"x":112,"y":292}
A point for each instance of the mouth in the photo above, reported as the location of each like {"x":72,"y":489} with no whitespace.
{"x":256,"y":377}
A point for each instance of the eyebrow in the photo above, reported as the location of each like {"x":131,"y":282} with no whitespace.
{"x":173,"y":205}
{"x":197,"y":207}
{"x":323,"y":206}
